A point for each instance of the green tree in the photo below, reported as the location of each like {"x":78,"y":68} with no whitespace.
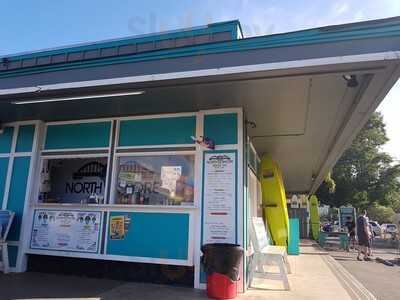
{"x":365,"y":175}
{"x":381,"y":214}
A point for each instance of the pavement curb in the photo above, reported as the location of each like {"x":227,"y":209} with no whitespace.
{"x":355,"y":288}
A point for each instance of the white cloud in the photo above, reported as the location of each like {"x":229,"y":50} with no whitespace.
{"x":341,"y":8}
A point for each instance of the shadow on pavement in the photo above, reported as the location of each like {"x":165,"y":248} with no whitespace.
{"x":31,"y":285}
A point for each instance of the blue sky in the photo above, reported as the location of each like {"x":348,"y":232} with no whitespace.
{"x":31,"y":25}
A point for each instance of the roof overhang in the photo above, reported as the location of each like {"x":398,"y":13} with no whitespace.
{"x":305,"y":112}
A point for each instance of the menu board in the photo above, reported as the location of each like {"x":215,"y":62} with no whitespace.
{"x":62,"y":230}
{"x":219,"y":197}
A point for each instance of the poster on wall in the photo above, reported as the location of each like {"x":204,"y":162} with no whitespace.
{"x":119,"y":226}
{"x":219,"y":196}
{"x":74,"y":231}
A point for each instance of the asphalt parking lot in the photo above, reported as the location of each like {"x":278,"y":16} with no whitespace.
{"x":381,"y":280}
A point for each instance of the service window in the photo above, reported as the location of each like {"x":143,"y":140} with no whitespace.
{"x":155,"y":180}
{"x":73,"y":180}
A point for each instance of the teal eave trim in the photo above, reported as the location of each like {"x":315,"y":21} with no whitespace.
{"x":228,"y":26}
{"x":305,"y":37}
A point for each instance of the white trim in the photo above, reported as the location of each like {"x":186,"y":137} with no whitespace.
{"x":77,"y":98}
{"x":21,"y":154}
{"x":66,"y":156}
{"x":7,"y":184}
{"x":158,"y":116}
{"x":21,"y":123}
{"x":13,"y":243}
{"x":379,"y":56}
{"x":45,"y":151}
{"x":156,"y":153}
{"x":197,"y":200}
{"x":81,"y":121}
{"x":241,"y":218}
{"x":22,"y":260}
{"x":115,"y":207}
{"x":156,"y":146}
{"x":109,"y":158}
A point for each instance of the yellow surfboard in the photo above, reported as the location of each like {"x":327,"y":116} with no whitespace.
{"x":274,"y":201}
{"x":314,"y":217}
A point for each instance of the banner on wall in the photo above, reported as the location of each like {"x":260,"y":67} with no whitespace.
{"x":74,"y":231}
{"x":219,"y":197}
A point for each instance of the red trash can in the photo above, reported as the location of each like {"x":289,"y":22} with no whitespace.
{"x":220,"y":286}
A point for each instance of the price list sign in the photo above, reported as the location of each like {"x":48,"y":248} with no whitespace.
{"x":219,"y":197}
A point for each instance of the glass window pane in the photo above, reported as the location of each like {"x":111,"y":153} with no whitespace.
{"x":155,"y":180}
{"x":73,"y":180}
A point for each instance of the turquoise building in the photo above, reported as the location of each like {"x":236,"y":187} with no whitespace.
{"x":135,"y":152}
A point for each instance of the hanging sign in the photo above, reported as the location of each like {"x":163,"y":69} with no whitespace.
{"x":219,"y":197}
{"x":75,"y":231}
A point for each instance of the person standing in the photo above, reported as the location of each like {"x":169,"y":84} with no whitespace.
{"x":351,"y":228}
{"x":363,"y":236}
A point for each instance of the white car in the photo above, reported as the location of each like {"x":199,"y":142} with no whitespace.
{"x":376,"y":228}
{"x":389,"y":228}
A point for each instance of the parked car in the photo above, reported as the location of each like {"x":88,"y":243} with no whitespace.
{"x":389,"y":228}
{"x":376,"y":228}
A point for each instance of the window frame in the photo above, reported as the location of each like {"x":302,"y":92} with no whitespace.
{"x":175,"y":152}
{"x":44,"y":157}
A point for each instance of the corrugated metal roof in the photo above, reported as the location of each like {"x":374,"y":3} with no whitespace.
{"x":216,"y":32}
{"x":213,"y":38}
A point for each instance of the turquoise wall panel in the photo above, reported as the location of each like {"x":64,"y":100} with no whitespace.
{"x":82,"y":135}
{"x":222,"y":128}
{"x":294,"y":239}
{"x":153,"y":235}
{"x":3,"y":177}
{"x":25,"y":138}
{"x":16,"y":197}
{"x":6,"y":140}
{"x":160,"y":131}
{"x":12,"y":255}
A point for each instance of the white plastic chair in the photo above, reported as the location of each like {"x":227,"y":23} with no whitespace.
{"x":6,"y":218}
{"x":266,"y":254}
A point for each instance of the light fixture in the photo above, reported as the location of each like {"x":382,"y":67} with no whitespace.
{"x":94,"y":96}
{"x":351,"y":80}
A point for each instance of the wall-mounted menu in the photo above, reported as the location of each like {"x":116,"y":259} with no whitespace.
{"x":219,"y":197}
{"x":63,"y":230}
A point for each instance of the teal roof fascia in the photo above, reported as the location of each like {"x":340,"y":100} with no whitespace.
{"x":305,"y":37}
{"x":228,"y":26}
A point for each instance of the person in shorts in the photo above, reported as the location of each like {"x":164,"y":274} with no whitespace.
{"x":351,"y":228}
{"x":363,"y":236}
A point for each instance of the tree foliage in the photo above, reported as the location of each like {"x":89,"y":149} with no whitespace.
{"x":364,"y":176}
{"x":381,"y":214}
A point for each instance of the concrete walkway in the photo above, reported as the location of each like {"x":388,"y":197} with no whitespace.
{"x":381,"y":280}
{"x":312,"y":278}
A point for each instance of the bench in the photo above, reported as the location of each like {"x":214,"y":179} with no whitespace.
{"x":6,"y":218}
{"x":267,"y":255}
